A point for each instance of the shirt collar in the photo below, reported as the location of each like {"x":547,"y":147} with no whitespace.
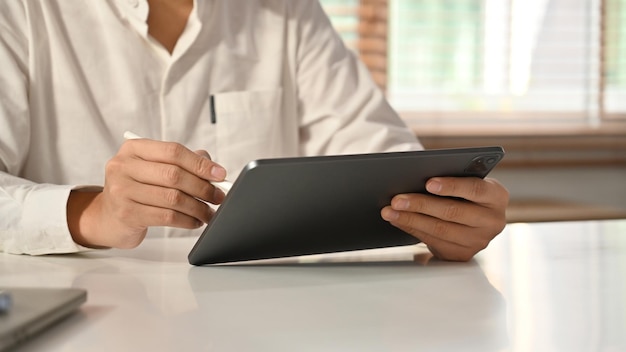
{"x":135,"y":12}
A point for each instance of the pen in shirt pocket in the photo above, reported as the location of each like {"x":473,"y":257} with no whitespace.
{"x":212,"y":107}
{"x":224,"y":185}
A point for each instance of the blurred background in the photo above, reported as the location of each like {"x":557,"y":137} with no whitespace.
{"x":545,"y":79}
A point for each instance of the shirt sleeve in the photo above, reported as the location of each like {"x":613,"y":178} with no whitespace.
{"x":342,"y":110}
{"x":33,"y":216}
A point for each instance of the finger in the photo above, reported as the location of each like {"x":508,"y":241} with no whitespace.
{"x":434,"y":231}
{"x":139,"y":206}
{"x":483,"y":191}
{"x":173,"y":177}
{"x":203,"y":153}
{"x":156,"y":216}
{"x":168,"y":198}
{"x":140,"y":216}
{"x":442,"y":248}
{"x":448,"y":209}
{"x":175,"y":154}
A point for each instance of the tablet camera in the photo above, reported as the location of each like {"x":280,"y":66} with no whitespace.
{"x":481,"y":164}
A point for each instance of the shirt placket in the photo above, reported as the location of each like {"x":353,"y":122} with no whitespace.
{"x":135,"y":13}
{"x":171,"y":108}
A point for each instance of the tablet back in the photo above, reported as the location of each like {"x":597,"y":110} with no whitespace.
{"x":311,"y":205}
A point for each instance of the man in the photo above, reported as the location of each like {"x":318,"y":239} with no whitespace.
{"x":241,"y":79}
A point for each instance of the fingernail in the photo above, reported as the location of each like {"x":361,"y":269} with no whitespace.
{"x":390,"y":214}
{"x":434,"y":186}
{"x":219,"y":195}
{"x":218,"y":172}
{"x":400,"y":204}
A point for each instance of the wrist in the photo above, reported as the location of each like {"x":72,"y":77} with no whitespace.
{"x":82,"y":218}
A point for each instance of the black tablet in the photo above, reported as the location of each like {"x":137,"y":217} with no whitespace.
{"x":311,"y":205}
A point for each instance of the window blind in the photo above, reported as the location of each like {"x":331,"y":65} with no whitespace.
{"x":615,"y":57}
{"x":363,"y":26}
{"x":539,"y":60}
{"x":344,"y":15}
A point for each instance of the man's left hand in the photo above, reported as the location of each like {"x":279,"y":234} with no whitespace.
{"x":457,"y":220}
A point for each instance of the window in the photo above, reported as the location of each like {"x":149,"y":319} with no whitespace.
{"x":363,"y":26}
{"x":615,"y":63}
{"x":344,"y":14}
{"x":510,"y":61}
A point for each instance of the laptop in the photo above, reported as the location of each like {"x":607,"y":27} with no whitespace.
{"x":28,"y":311}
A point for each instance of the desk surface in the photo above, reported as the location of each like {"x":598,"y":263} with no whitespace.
{"x":537,"y":287}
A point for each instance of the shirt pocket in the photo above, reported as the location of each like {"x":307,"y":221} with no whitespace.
{"x":248,"y":126}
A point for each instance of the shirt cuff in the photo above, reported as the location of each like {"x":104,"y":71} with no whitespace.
{"x":44,"y":228}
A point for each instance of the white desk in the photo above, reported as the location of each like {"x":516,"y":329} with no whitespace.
{"x":539,"y":287}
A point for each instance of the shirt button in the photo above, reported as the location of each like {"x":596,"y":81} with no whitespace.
{"x":133,"y":3}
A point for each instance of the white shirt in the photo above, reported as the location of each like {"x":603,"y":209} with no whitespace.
{"x":76,"y":74}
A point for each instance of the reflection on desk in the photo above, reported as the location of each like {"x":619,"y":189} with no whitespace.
{"x":545,"y":286}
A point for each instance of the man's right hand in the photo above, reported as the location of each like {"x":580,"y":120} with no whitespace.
{"x":148,"y":183}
